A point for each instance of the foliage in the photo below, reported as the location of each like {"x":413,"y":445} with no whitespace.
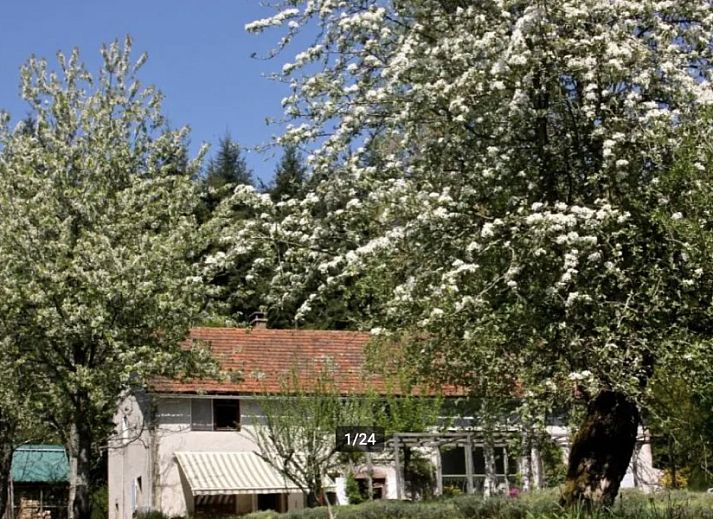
{"x":401,"y":403}
{"x":527,"y":506}
{"x":679,"y":407}
{"x":541,"y":227}
{"x":151,"y":514}
{"x":353,"y":492}
{"x":531,"y":195}
{"x":100,"y":503}
{"x":297,"y":436}
{"x":98,"y":237}
{"x":452,"y":491}
{"x":16,"y":416}
{"x":290,"y":176}
{"x":419,"y":476}
{"x":235,"y":291}
{"x":681,"y":421}
{"x":680,"y":480}
{"x":227,"y":168}
{"x":19,"y":418}
{"x":554,"y":466}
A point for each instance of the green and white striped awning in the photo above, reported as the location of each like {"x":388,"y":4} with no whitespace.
{"x":227,"y":473}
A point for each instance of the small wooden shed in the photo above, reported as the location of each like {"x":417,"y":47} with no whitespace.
{"x":39,"y":484}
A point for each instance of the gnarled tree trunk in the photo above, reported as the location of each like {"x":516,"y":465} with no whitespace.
{"x":601,"y":450}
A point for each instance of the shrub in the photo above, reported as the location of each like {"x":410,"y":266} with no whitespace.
{"x":100,"y":503}
{"x":151,"y":514}
{"x":536,"y":505}
{"x":452,"y":491}
{"x":353,"y":491}
{"x":667,"y":480}
{"x":553,"y":462}
{"x":419,"y":476}
{"x":269,"y":514}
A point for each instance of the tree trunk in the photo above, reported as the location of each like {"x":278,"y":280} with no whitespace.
{"x":80,"y":449}
{"x":490,"y":485}
{"x":5,"y":466}
{"x":314,"y":496}
{"x":312,"y":500}
{"x":601,"y":450}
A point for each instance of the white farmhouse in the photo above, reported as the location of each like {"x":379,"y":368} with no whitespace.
{"x":185,"y":448}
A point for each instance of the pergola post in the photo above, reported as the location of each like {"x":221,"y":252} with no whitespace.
{"x":370,"y":476}
{"x":528,"y":482}
{"x":505,"y":470}
{"x":397,"y":463}
{"x":470,"y":487}
{"x":538,"y":472}
{"x":439,"y":471}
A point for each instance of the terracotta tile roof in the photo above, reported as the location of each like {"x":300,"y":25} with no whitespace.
{"x":264,"y":356}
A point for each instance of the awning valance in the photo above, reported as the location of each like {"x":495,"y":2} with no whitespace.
{"x":226,"y":473}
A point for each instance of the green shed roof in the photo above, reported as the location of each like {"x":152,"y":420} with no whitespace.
{"x":40,"y":464}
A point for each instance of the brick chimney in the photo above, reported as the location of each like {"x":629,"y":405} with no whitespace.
{"x":258,"y":320}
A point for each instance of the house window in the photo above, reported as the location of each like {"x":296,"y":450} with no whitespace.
{"x":226,"y":415}
{"x":125,"y":429}
{"x":214,"y":414}
{"x":270,"y":502}
{"x":454,"y":467}
{"x":138,"y":499}
{"x":134,"y":504}
{"x":201,"y":414}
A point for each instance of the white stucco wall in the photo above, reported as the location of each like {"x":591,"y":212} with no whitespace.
{"x":152,"y":455}
{"x":128,"y":460}
{"x":642,"y":471}
{"x":174,"y":434}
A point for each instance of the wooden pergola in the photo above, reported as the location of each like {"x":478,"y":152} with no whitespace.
{"x":466,"y":439}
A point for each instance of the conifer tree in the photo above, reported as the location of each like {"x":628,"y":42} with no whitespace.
{"x":228,"y":166}
{"x":290,"y":176}
{"x":224,"y":171}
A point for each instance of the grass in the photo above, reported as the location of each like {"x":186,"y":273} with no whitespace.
{"x":630,"y":504}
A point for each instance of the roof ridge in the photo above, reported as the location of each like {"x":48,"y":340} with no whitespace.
{"x":279,"y":330}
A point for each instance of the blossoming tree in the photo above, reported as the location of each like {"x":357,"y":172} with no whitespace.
{"x":97,"y":238}
{"x":527,"y":222}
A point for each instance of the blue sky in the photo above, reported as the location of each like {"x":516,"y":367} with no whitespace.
{"x":199,"y":57}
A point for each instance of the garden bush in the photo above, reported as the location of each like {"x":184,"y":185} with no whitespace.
{"x":539,"y":505}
